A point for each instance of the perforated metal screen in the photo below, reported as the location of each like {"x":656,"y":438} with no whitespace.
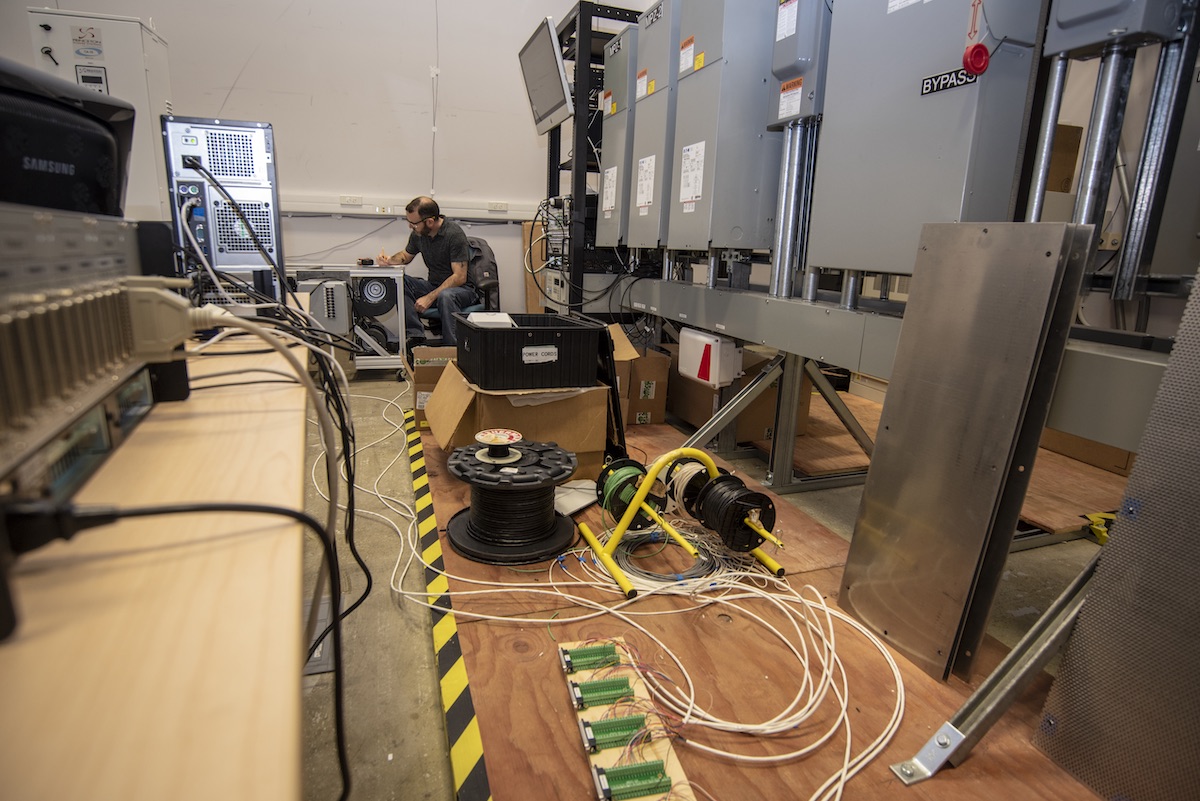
{"x":232,"y":234}
{"x":230,"y":154}
{"x":1124,"y":714}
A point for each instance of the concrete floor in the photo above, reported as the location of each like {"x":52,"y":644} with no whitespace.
{"x":395,"y":732}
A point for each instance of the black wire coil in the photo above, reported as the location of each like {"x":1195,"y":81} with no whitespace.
{"x":723,"y":505}
{"x":511,"y":519}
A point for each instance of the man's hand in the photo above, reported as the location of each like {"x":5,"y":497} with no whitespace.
{"x":425,"y":302}
{"x":383,"y":260}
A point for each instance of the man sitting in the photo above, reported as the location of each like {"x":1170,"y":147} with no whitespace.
{"x":443,"y":245}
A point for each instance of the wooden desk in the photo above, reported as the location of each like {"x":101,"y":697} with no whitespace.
{"x":160,"y":658}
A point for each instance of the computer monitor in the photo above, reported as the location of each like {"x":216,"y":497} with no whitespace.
{"x":546,"y":78}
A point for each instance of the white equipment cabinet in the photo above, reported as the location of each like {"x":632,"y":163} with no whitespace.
{"x":122,"y":57}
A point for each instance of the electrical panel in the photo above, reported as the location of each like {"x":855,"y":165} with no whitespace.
{"x":1085,"y":27}
{"x":725,"y":163}
{"x":798,"y":60}
{"x":917,"y":140}
{"x":234,"y":164}
{"x":655,"y":83}
{"x":121,"y":57}
{"x":617,"y":108}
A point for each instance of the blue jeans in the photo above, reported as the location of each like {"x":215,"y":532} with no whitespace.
{"x":449,"y":301}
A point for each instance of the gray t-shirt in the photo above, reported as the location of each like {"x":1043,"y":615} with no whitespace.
{"x":448,"y":245}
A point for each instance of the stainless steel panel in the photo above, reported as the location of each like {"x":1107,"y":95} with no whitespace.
{"x":987,"y":305}
{"x":1124,"y":713}
{"x":1084,"y":27}
{"x":944,"y":156}
{"x":879,"y":345}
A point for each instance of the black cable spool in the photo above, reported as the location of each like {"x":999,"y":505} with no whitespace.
{"x":511,"y":519}
{"x":617,"y":484}
{"x":725,"y":502}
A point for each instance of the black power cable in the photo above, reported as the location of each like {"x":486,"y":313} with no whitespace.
{"x":32,"y":525}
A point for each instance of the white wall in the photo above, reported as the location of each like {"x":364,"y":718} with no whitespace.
{"x":349,"y":87}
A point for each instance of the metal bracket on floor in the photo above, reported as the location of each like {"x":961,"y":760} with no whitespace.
{"x":957,"y":736}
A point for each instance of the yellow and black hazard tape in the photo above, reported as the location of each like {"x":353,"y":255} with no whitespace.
{"x":462,"y":727}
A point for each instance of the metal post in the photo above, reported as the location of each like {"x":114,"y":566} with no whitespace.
{"x":783,"y":442}
{"x":1059,"y":66}
{"x":811,"y":275}
{"x":1165,"y":119}
{"x":851,"y":283}
{"x":666,"y":265}
{"x":714,"y":267}
{"x":885,"y":286}
{"x":1104,"y":135}
{"x":785,"y":213}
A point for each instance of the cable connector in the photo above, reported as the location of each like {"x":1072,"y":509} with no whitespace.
{"x":34,"y":524}
{"x":158,"y":318}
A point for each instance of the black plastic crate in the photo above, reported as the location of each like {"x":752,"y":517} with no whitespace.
{"x":543,"y":351}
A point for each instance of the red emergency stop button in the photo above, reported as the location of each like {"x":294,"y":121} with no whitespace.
{"x":976,"y":58}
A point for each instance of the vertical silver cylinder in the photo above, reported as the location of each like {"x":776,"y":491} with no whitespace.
{"x":1059,"y":67}
{"x":1104,"y":135}
{"x":851,"y":287}
{"x":785,"y":214}
{"x":1154,"y":165}
{"x":666,"y":265}
{"x":885,"y":286}
{"x":811,"y":275}
{"x":714,"y":267}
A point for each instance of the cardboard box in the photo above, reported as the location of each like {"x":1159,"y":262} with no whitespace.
{"x":648,"y":388}
{"x":696,"y":403}
{"x":576,"y":419}
{"x":428,"y":363}
{"x":624,"y":354}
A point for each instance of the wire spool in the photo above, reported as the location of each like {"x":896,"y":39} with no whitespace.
{"x":616,"y":485}
{"x":686,"y":476}
{"x":724,"y":504}
{"x":511,"y":519}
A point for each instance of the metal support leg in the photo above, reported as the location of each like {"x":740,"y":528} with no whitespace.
{"x":1041,"y":160}
{"x":782,"y":474}
{"x":839,"y":407}
{"x":952,"y":743}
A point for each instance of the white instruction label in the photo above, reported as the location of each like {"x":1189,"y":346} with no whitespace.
{"x":642,"y":81}
{"x":785,"y":22}
{"x":687,"y":54}
{"x":608,"y":193}
{"x":423,"y":399}
{"x":645,"y":182}
{"x":691,"y":173}
{"x":539,"y":354}
{"x":791,"y":93}
{"x":607,"y":103}
{"x":896,"y":5}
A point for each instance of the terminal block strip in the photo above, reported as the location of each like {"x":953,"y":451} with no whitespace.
{"x":604,"y":733}
{"x":631,"y":781}
{"x":589,"y":657}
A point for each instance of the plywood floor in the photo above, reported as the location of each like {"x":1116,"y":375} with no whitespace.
{"x":1061,"y":490}
{"x":531,"y":743}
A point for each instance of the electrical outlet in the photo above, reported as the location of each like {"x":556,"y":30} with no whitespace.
{"x":350,"y":200}
{"x":383,"y":209}
{"x":497,"y":205}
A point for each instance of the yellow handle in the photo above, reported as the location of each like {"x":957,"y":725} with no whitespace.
{"x":610,"y":565}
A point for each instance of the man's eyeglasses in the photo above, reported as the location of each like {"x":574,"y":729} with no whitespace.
{"x":418,"y":223}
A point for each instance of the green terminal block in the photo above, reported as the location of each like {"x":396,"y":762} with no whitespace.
{"x":600,"y":692}
{"x":631,"y":781}
{"x":605,"y":733}
{"x":589,"y":657}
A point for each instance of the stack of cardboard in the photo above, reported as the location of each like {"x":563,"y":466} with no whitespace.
{"x":642,"y":377}
{"x":428,"y":364}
